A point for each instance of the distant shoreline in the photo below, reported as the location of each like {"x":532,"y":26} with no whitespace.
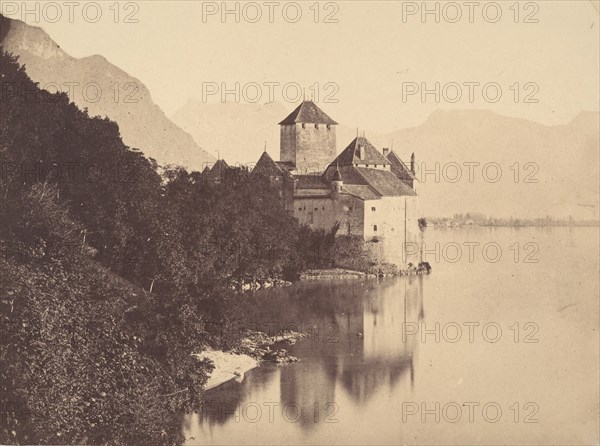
{"x":575,"y":225}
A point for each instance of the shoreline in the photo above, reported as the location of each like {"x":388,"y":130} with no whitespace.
{"x":228,"y":366}
{"x":342,"y":273}
{"x":254,"y":349}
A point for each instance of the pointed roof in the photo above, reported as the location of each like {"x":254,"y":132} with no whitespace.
{"x":308,"y":112}
{"x":350,"y":156}
{"x":219,"y":167}
{"x":206,"y":170}
{"x":399,"y":168}
{"x":266,"y":166}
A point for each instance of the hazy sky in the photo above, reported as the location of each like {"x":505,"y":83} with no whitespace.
{"x":371,"y":54}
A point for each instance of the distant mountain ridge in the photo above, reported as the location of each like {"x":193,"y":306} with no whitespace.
{"x":109,"y":91}
{"x":562,"y":181}
{"x":546,"y":170}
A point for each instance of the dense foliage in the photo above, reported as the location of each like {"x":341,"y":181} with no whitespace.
{"x":113,"y":272}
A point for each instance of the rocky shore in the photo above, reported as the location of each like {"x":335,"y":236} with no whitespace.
{"x":263,"y":347}
{"x":258,"y":284}
{"x":386,"y":270}
{"x":255,"y":348}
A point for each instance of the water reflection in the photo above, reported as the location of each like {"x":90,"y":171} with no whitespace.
{"x":356,"y":373}
{"x":355,"y":345}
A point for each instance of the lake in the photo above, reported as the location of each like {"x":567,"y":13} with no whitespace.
{"x":499,"y":344}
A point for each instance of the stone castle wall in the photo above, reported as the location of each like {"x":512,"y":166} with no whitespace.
{"x":287,"y":143}
{"x":324,"y":213}
{"x":315,"y":147}
{"x":312,"y":149}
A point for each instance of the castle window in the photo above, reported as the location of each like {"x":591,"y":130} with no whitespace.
{"x":303,"y":125}
{"x":316,"y":209}
{"x":323,"y":207}
{"x":375,"y":166}
{"x":373,"y":209}
{"x":316,"y":126}
{"x":300,"y":209}
{"x":374,"y":228}
{"x":350,"y":208}
{"x":328,"y":127}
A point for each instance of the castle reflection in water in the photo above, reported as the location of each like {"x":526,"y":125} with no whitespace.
{"x":355,"y":346}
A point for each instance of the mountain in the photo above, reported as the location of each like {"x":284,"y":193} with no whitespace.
{"x":564,"y":157}
{"x":562,"y":180}
{"x":105,"y":90}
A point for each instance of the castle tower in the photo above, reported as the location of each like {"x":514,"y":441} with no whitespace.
{"x":307,"y":139}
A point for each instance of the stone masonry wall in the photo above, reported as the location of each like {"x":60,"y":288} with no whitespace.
{"x":315,"y":147}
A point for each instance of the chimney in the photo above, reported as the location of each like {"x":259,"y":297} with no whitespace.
{"x":412,"y":163}
{"x":386,"y":151}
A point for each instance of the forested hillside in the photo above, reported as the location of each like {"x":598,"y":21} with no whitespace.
{"x":113,"y":274}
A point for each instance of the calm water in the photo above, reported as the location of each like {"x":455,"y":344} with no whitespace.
{"x":365,"y":378}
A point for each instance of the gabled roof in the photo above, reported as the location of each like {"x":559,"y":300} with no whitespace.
{"x":368,"y":183}
{"x":206,"y":170}
{"x":308,"y":112}
{"x":385,"y":183}
{"x":360,"y":191}
{"x":350,"y":156}
{"x":402,"y":171}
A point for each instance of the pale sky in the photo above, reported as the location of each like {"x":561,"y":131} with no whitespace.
{"x":368,"y":54}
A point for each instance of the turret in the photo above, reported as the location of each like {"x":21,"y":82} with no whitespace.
{"x":337,"y":183}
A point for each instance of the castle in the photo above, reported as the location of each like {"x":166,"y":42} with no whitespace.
{"x":369,"y":194}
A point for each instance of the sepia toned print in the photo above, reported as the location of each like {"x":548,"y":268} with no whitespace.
{"x":309,"y":222}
